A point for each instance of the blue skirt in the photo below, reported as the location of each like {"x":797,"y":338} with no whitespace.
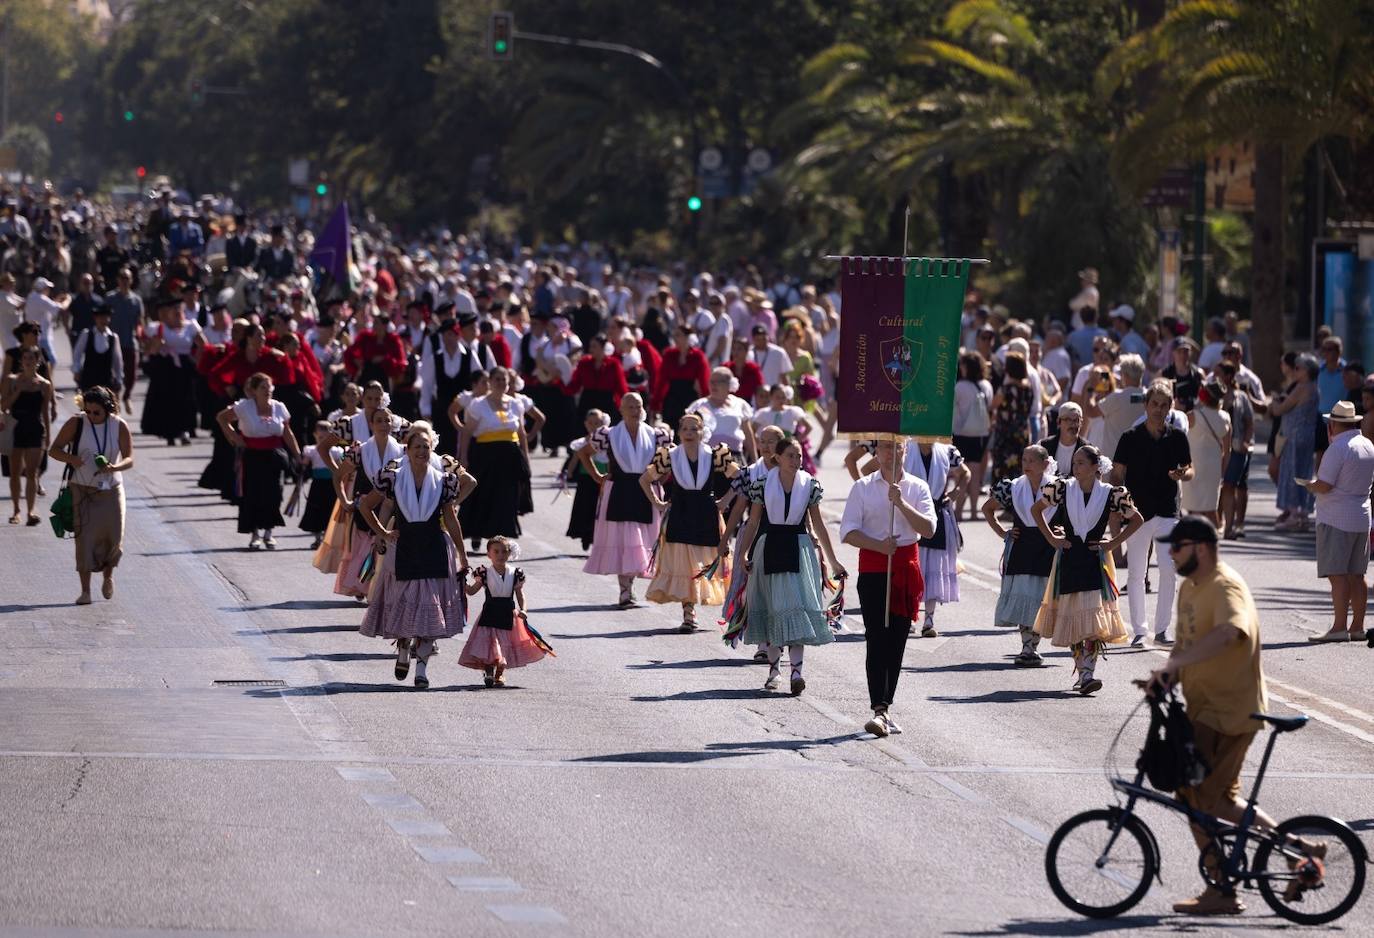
{"x":786,"y":608}
{"x":1020,"y":599}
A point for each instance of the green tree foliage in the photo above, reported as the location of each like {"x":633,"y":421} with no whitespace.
{"x":30,"y":146}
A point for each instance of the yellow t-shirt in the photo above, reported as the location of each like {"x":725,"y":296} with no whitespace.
{"x":1223,"y":691}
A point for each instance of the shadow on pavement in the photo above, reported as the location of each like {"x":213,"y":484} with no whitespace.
{"x":340,"y":656}
{"x":1073,"y":926}
{"x":199,"y":550}
{"x":309,"y":604}
{"x":695,"y":755}
{"x":22,"y":608}
{"x":967,"y":667}
{"x":1008,"y":696}
{"x":632,"y":633}
{"x":724,"y":693}
{"x":300,"y":629}
{"x":693,"y":665}
{"x":344,"y":687}
{"x":589,"y":607}
{"x":788,"y":744}
{"x":186,"y":520}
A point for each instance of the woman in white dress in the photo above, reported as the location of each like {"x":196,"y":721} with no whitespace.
{"x":1209,"y":439}
{"x":789,"y":418}
{"x":260,"y":428}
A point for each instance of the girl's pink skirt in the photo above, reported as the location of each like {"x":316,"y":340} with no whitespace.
{"x":487,"y":647}
{"x":346,"y":583}
{"x":620,"y":547}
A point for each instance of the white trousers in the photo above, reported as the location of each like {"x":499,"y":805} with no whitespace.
{"x":1138,"y":555}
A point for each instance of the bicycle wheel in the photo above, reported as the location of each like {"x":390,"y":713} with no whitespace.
{"x":1091,"y":883}
{"x":1306,"y":895}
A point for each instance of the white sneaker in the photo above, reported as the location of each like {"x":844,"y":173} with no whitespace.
{"x":878,"y":725}
{"x":255,"y":543}
{"x":892,"y":726}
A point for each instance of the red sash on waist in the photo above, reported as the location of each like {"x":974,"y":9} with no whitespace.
{"x":264,"y":442}
{"x":908,"y":586}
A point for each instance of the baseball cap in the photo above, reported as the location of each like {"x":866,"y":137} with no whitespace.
{"x":42,"y":283}
{"x":1124,"y":311}
{"x":1191,"y":528}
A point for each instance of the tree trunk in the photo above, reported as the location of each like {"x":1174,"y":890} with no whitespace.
{"x":1267,"y":327}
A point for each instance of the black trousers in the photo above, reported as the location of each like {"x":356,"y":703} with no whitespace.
{"x":884,"y":642}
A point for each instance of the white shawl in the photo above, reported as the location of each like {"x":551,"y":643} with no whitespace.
{"x":633,"y":455}
{"x":774,"y":497}
{"x":682,"y":468}
{"x":939,"y":467}
{"x":1023,"y":496}
{"x":374,"y":461}
{"x":1084,"y":517}
{"x":418,"y":506}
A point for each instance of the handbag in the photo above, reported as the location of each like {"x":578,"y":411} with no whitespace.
{"x":62,"y":514}
{"x":1170,"y":759}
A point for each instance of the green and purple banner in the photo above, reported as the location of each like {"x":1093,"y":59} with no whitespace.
{"x":899,"y":345}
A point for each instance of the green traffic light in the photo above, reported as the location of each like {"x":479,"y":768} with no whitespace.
{"x":128,"y":115}
{"x":321,"y":189}
{"x":694,"y":204}
{"x":500,"y":46}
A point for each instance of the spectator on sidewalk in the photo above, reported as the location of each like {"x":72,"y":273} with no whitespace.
{"x":1342,"y":491}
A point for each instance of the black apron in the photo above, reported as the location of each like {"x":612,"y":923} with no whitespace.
{"x":782,"y":550}
{"x":681,"y":393}
{"x":421,"y":550}
{"x":1080,"y":567}
{"x":627,"y":501}
{"x":694,"y":518}
{"x":362,"y":486}
{"x":498,"y":612}
{"x":1031,"y":554}
{"x":445,"y":390}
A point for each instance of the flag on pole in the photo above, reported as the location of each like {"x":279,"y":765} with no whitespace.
{"x":899,"y":345}
{"x":333,"y":252}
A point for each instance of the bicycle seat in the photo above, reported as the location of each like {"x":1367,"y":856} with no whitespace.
{"x":1282,"y":724}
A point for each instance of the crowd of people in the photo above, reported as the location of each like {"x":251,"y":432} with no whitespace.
{"x":691,"y":411}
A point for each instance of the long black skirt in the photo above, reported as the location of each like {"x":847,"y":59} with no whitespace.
{"x":169,"y":410}
{"x":319,"y":505}
{"x":582,"y":520}
{"x":494,"y":506}
{"x":560,"y":413}
{"x":260,"y":502}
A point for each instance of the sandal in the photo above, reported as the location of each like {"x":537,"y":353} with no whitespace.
{"x":489,"y":676}
{"x":14,"y":518}
{"x":499,"y":679}
{"x":34,"y":521}
{"x":402,"y":658}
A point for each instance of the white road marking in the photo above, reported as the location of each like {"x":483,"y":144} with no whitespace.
{"x":527,"y":914}
{"x":448,"y":854}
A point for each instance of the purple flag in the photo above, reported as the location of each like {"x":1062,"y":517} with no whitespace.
{"x":333,"y":252}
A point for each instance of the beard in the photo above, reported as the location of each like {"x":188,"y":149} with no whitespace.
{"x":1188,"y":567}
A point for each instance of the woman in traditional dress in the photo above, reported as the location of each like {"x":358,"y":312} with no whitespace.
{"x":739,"y":506}
{"x":169,"y":410}
{"x":692,"y":524}
{"x":260,"y":428}
{"x":361,"y":464}
{"x":26,"y":401}
{"x":783,"y":595}
{"x":320,"y":502}
{"x":501,"y":638}
{"x":1080,"y":611}
{"x":1026,"y":556}
{"x":418,"y":597}
{"x":495,"y":450}
{"x":683,"y":376}
{"x":626,"y":524}
{"x":582,"y":517}
{"x":940,"y":466}
{"x":553,"y":370}
{"x":335,"y":545}
{"x":104,"y":450}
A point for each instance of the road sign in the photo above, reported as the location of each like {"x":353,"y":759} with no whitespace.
{"x":715,"y":172}
{"x":710,"y":159}
{"x":1174,"y":189}
{"x":758,"y":162}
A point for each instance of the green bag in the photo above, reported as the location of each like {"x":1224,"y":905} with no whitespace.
{"x":63,"y":518}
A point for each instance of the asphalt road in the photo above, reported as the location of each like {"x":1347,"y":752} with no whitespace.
{"x":641,"y":783}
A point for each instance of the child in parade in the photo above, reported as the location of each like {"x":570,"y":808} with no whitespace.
{"x":502,"y":638}
{"x":321,"y":499}
{"x":582,"y":518}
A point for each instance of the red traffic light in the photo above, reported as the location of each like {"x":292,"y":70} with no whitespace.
{"x":57,"y":117}
{"x":141,"y":171}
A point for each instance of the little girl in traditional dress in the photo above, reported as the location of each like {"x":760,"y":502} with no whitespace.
{"x":321,"y":500}
{"x":502,"y":637}
{"x":582,"y":518}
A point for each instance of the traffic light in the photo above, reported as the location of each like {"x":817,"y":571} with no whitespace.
{"x":322,"y":189}
{"x":197,"y":92}
{"x":57,"y":117}
{"x":501,"y":37}
{"x":694,"y":203}
{"x":128,"y":116}
{"x":141,"y":172}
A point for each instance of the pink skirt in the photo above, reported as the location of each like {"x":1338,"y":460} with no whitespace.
{"x":487,"y":647}
{"x":620,"y":547}
{"x":435,"y":608}
{"x":347,"y":582}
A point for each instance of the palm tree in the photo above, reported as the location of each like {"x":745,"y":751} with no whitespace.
{"x":1285,"y":74}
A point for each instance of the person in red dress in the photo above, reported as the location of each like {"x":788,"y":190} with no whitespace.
{"x":377,"y":354}
{"x":495,"y":343}
{"x":599,"y":379}
{"x":684,"y":376}
{"x":748,"y":374}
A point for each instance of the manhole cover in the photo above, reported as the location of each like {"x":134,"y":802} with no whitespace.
{"x":250,"y":682}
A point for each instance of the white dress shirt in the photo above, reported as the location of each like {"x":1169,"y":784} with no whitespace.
{"x":868,"y":510}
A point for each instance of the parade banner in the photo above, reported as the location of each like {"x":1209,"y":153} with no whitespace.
{"x":899,"y":345}
{"x":333,"y":252}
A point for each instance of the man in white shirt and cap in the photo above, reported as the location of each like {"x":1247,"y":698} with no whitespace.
{"x":1123,"y":329}
{"x":772,"y":360}
{"x":43,"y":309}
